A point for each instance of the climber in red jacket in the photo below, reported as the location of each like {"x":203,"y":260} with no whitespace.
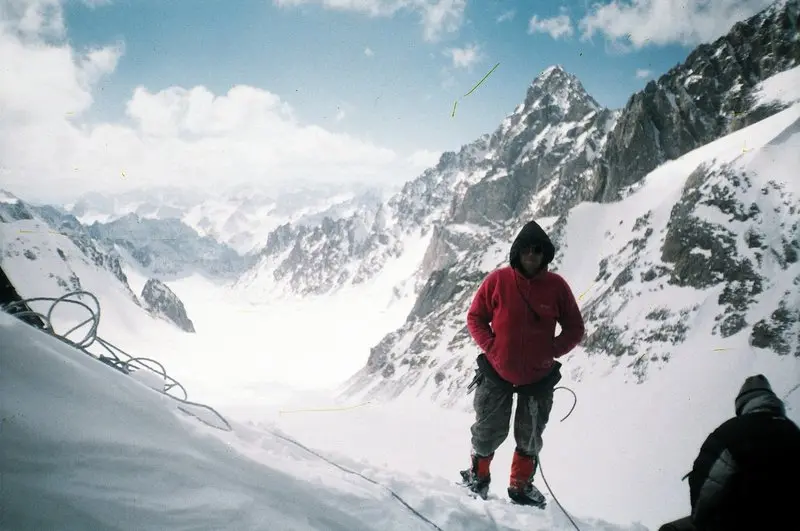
{"x":513,"y":319}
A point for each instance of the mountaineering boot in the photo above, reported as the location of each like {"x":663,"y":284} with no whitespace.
{"x":521,"y":489}
{"x":477,"y":478}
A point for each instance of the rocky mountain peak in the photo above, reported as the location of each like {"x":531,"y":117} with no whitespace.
{"x":556,"y":88}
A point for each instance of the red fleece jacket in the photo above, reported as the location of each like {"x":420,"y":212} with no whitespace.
{"x":520,"y":347}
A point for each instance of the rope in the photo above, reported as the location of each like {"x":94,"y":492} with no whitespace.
{"x":574,"y":401}
{"x":323,"y":409}
{"x":359,"y":474}
{"x":541,"y":471}
{"x":539,"y":460}
{"x":128,"y":365}
{"x":21,"y":308}
{"x":792,"y":390}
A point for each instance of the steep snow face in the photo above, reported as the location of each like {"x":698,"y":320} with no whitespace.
{"x":43,"y":252}
{"x":54,"y":256}
{"x":779,"y":90}
{"x":703,"y":251}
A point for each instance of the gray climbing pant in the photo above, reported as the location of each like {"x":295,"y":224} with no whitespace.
{"x":493,"y":406}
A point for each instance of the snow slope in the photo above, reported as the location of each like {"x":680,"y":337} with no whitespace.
{"x":780,"y":88}
{"x":260,"y":344}
{"x":642,"y":414}
{"x":86,"y":447}
{"x":619,"y":456}
{"x":43,"y":263}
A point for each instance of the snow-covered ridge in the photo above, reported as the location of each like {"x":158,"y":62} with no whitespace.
{"x":48,"y":254}
{"x":241,"y":217}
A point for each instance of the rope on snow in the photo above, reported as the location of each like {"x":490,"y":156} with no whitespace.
{"x":131,"y":364}
{"x":118,"y":358}
{"x":21,"y":309}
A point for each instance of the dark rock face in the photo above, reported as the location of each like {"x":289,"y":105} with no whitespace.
{"x":706,"y":97}
{"x":170,"y":248}
{"x":162,"y":302}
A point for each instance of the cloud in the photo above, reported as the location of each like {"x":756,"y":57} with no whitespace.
{"x":639,"y":23}
{"x":424,"y":158}
{"x":465,"y":57}
{"x":437,"y":17}
{"x":26,"y":18}
{"x":556,"y":27}
{"x":368,"y":52}
{"x":505,"y":16}
{"x":179,"y":136}
{"x":643,"y":73}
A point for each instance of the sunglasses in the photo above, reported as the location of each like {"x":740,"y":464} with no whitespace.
{"x":535,"y":249}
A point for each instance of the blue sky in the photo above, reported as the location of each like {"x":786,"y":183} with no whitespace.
{"x":314,"y":58}
{"x":378,"y":78}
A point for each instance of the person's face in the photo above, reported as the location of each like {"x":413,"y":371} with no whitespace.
{"x":531,"y":258}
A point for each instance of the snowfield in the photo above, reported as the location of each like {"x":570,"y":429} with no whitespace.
{"x":86,"y":447}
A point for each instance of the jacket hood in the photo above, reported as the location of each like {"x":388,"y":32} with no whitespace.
{"x":531,"y":234}
{"x":756,"y":395}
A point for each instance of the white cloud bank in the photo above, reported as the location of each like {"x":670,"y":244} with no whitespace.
{"x":635,"y":24}
{"x":176,"y":136}
{"x":639,"y":23}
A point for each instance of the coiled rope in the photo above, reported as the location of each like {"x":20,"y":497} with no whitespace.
{"x":118,"y":358}
{"x":22,"y":310}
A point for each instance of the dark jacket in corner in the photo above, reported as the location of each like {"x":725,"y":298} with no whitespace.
{"x":747,"y":474}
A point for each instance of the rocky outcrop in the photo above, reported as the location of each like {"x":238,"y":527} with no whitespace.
{"x":160,"y":301}
{"x":168,"y":248}
{"x":706,"y":97}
